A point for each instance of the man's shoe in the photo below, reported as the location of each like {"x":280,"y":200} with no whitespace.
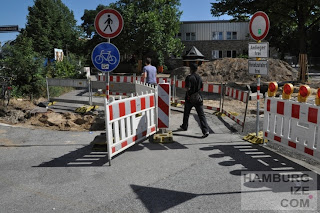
{"x":205,"y":135}
{"x":184,"y":129}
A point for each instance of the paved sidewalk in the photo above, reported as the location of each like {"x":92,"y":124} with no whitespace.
{"x":55,"y":171}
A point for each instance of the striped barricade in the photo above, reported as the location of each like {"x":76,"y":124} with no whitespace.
{"x":293,"y":125}
{"x":163,"y":105}
{"x":129,"y":121}
{"x":239,"y":95}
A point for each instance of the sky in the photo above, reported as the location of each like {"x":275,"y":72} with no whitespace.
{"x":14,"y":12}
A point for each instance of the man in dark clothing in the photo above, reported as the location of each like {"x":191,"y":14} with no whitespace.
{"x":193,"y":85}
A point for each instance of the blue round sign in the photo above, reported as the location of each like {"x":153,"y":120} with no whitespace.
{"x":105,"y":57}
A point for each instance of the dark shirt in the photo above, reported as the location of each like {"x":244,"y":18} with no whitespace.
{"x":194,"y":82}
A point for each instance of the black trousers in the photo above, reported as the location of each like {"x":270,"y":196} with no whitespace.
{"x":199,"y":108}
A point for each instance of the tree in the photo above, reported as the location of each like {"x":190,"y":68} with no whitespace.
{"x":51,"y":25}
{"x":290,"y":19}
{"x":150,"y":27}
{"x":22,"y":62}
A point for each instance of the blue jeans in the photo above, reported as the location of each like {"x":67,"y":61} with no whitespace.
{"x":199,"y":108}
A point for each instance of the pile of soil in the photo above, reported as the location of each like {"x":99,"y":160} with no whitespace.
{"x":236,"y":70}
{"x":20,"y":112}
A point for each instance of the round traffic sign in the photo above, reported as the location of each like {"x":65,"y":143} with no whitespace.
{"x":108,"y":23}
{"x":259,"y":25}
{"x":105,"y":57}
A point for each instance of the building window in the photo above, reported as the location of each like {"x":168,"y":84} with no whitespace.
{"x":190,"y":36}
{"x":179,"y":36}
{"x":231,"y":53}
{"x":216,"y":54}
{"x":231,"y":35}
{"x":217,"y":35}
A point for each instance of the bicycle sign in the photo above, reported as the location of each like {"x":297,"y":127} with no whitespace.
{"x":105,"y":57}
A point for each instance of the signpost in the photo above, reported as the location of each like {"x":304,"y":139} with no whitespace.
{"x":258,"y":27}
{"x":108,"y":23}
{"x":105,"y":57}
{"x":9,"y":28}
{"x":258,"y":67}
{"x":258,"y":50}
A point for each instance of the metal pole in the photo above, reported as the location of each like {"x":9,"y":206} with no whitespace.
{"x":90,"y":92}
{"x":258,"y":104}
{"x":48,"y":93}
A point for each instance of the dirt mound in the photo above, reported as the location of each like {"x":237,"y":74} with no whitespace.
{"x":236,"y":70}
{"x":67,"y":121}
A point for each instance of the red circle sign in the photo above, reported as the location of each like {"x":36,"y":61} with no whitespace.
{"x":108,"y":23}
{"x":259,"y":25}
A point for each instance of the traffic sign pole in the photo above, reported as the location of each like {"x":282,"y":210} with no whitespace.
{"x":258,"y":99}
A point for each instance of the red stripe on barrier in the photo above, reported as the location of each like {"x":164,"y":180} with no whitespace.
{"x":161,"y":124}
{"x":111,"y":112}
{"x":242,"y":94}
{"x":163,"y":106}
{"x":237,"y":94}
{"x":268,"y":105}
{"x":124,"y":144}
{"x":258,"y":88}
{"x":183,"y":84}
{"x":266,"y":134}
{"x":122,"y":109}
{"x":219,"y":89}
{"x":133,"y":106}
{"x":313,"y":115}
{"x":134,"y":138}
{"x":125,"y":79}
{"x":292,"y":144}
{"x":151,"y":101}
{"x":308,"y":151}
{"x":118,"y":79}
{"x":209,"y":107}
{"x":210,"y":88}
{"x":295,"y":112}
{"x":153,"y":129}
{"x":280,"y":107}
{"x":144,"y":133}
{"x":113,"y":149}
{"x":143,"y":103}
{"x":277,"y":138}
{"x":111,"y":78}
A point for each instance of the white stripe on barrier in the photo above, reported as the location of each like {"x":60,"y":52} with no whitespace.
{"x":293,"y":125}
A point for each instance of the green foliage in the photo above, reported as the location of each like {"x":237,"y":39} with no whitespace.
{"x":149,"y":28}
{"x":22,"y":62}
{"x":57,"y":91}
{"x":68,"y":68}
{"x":51,"y":25}
{"x":290,"y":19}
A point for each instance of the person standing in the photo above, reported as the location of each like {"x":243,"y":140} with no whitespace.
{"x":193,"y":86}
{"x":150,"y":72}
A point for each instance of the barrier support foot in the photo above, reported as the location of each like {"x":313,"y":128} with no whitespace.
{"x":166,"y":137}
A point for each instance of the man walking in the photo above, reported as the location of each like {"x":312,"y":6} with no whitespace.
{"x":193,"y":86}
{"x":150,"y":72}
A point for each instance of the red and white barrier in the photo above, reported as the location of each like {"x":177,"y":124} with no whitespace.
{"x":293,"y":125}
{"x":237,"y":94}
{"x":124,"y":126}
{"x":163,"y":105}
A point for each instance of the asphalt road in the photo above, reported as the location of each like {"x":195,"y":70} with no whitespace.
{"x":55,"y":171}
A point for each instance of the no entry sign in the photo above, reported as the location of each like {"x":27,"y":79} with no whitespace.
{"x":108,"y":23}
{"x":259,"y":25}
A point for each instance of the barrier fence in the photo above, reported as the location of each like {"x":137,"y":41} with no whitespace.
{"x":293,"y":125}
{"x":130,"y":80}
{"x":129,"y":121}
{"x":239,"y":95}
